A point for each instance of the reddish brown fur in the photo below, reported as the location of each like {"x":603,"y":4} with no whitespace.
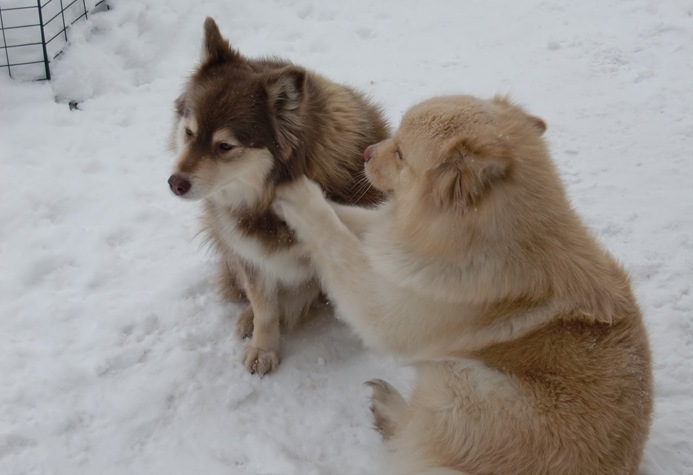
{"x":243,"y":126}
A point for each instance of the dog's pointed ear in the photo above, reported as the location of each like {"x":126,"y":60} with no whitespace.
{"x":285,"y":89}
{"x":215,"y":49}
{"x":463,"y":178}
{"x":179,"y":106}
{"x":538,"y":123}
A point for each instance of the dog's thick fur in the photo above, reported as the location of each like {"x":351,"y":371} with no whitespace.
{"x":531,"y":352}
{"x":241,"y":127}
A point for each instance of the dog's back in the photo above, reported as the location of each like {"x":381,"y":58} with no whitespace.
{"x":553,"y":374}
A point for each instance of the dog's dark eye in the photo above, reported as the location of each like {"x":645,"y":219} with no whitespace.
{"x":188,"y":132}
{"x":225,"y":146}
{"x":399,"y":155}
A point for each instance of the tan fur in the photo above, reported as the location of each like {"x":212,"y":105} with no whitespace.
{"x":530,"y":348}
{"x":241,"y":127}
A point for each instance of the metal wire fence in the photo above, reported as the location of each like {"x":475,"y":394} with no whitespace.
{"x":33,"y":33}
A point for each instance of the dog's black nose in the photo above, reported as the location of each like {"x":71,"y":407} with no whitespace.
{"x":179,"y":186}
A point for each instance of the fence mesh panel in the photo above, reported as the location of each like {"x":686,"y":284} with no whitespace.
{"x":34,"y":32}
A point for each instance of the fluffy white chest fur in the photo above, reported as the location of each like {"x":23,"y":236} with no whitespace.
{"x":288,"y":265}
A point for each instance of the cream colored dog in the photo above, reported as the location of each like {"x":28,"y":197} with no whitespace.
{"x":531,"y":352}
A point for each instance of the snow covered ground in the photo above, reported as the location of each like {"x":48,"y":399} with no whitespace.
{"x":116,"y":356}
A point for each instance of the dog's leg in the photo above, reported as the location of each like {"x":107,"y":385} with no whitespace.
{"x":261,"y":353}
{"x":244,"y":323}
{"x":229,"y":282}
{"x":337,"y":253}
{"x":388,"y":407}
{"x":357,"y":219}
{"x":297,"y":303}
{"x":232,"y":282}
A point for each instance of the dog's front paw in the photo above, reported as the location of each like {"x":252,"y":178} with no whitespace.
{"x":291,"y":199}
{"x":387,"y":406}
{"x":301,"y":190}
{"x":259,"y":361}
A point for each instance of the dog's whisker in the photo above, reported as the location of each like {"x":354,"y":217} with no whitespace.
{"x":360,"y":187}
{"x":366,"y":189}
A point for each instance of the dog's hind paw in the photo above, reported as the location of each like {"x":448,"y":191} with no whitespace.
{"x":259,"y":361}
{"x":387,"y":406}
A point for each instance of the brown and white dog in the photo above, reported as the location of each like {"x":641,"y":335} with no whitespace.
{"x":531,"y":351}
{"x":242,"y":126}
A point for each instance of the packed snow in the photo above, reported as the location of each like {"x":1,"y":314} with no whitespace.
{"x":116,"y":354}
